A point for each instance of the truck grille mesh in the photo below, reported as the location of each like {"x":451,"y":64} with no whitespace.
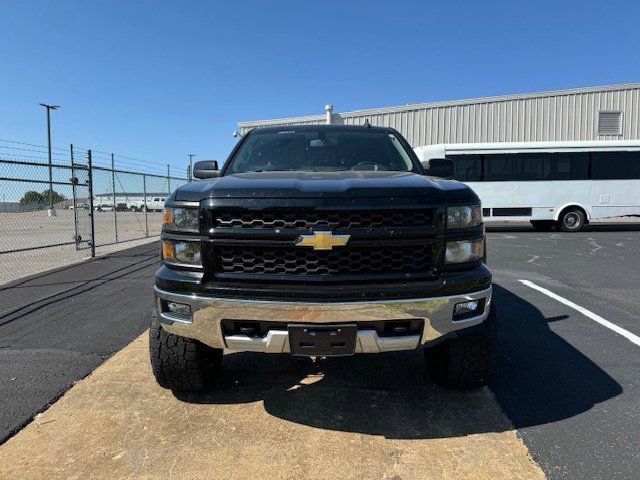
{"x":326,"y":219}
{"x":300,"y":261}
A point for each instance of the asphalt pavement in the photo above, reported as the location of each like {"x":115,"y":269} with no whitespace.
{"x":57,"y":327}
{"x":568,"y":384}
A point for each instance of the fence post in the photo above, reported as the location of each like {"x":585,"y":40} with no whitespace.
{"x":92,"y":230}
{"x":113,"y":188}
{"x":146,"y":210}
{"x":168,"y":180}
{"x":74,"y":182}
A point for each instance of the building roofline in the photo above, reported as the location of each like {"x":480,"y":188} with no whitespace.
{"x":446,"y":103}
{"x":269,"y":122}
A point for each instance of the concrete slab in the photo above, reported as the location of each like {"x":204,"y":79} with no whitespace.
{"x":37,"y":230}
{"x":271,"y":417}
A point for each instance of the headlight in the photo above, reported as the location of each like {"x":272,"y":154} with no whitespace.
{"x":464,"y":217}
{"x":182,"y":219}
{"x":186,"y":253}
{"x":465,"y":251}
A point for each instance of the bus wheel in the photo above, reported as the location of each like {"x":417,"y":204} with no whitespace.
{"x":571,"y":220}
{"x":543,"y":225}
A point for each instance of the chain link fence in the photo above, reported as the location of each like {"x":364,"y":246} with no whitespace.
{"x":59,"y":213}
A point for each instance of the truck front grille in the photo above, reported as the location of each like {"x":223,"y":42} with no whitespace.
{"x":300,"y":261}
{"x":327,"y":219}
{"x":259,"y":245}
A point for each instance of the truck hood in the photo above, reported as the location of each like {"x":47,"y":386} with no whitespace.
{"x":325,"y":184}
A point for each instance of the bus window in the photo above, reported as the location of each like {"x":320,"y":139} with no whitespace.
{"x":535,"y":166}
{"x":615,"y":165}
{"x":501,"y":168}
{"x":570,"y":166}
{"x":468,"y":167}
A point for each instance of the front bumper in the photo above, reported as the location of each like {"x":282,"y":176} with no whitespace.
{"x":208,"y":313}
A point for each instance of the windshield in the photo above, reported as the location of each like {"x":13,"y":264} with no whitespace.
{"x":321,"y":151}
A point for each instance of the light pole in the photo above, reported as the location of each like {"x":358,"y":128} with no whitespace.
{"x":51,"y":212}
{"x":191,"y":155}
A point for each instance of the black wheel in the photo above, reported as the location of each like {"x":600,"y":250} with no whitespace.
{"x":543,"y":225}
{"x":182,"y":364}
{"x":463,"y":362}
{"x":133,"y":209}
{"x":571,"y":220}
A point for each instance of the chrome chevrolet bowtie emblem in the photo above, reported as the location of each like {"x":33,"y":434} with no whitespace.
{"x":322,"y":240}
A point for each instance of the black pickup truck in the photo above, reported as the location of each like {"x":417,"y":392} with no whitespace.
{"x":322,"y":241}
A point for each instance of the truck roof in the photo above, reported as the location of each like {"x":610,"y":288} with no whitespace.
{"x":315,"y":128}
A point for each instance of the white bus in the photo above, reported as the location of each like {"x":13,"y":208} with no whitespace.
{"x":561,"y":184}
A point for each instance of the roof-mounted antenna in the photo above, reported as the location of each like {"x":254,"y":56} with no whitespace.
{"x":366,"y":123}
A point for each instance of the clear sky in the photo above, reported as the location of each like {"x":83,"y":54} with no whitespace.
{"x":158,"y":80}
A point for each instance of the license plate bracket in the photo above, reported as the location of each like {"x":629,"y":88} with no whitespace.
{"x":322,"y":340}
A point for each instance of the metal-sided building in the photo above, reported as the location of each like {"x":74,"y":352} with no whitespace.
{"x":596,"y":113}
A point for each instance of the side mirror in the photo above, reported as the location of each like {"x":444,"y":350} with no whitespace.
{"x":439,"y":167}
{"x":206,"y":169}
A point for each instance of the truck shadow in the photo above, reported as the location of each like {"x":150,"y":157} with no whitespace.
{"x":538,"y":378}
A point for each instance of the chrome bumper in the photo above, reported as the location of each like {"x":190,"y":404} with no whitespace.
{"x":277,"y":341}
{"x":207,"y":314}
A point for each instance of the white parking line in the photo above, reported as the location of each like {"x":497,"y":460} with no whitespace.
{"x":605,"y":323}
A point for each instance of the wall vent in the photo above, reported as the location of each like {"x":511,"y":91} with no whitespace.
{"x":609,"y":123}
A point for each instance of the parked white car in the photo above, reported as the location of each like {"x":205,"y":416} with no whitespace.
{"x":103,"y":207}
{"x":78,"y":206}
{"x":154,"y":204}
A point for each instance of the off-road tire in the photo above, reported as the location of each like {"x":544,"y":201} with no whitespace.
{"x":571,"y":220}
{"x":543,"y":225}
{"x":463,"y":362}
{"x":182,"y":364}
